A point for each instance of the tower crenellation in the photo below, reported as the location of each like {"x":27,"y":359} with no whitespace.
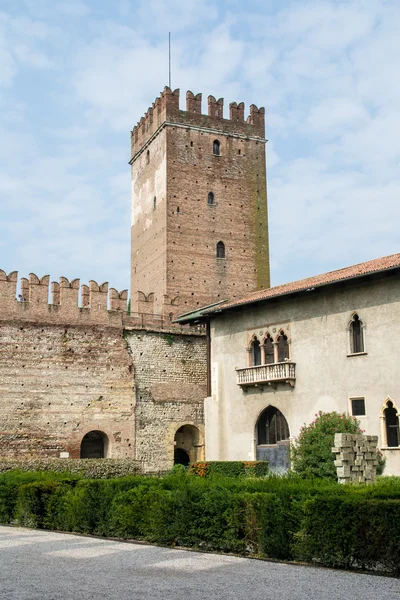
{"x":166,"y":109}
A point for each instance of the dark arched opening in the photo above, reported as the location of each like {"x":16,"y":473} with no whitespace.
{"x":356,"y":335}
{"x":272,"y":433}
{"x":220,"y":250}
{"x":210,"y":199}
{"x":392,"y":425}
{"x":181,"y":457}
{"x":216,"y":147}
{"x":283,"y":347}
{"x":187,"y":446}
{"x":94,"y":445}
{"x":269,"y":350}
{"x":255,"y":353}
{"x":272,"y":426}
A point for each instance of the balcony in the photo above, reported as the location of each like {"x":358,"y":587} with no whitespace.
{"x":267,"y":374}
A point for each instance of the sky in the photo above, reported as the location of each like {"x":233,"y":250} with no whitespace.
{"x":77,"y":75}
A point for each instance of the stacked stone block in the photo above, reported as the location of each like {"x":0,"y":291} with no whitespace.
{"x":356,"y":459}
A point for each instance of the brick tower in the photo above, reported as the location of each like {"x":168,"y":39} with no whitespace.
{"x":199,"y":205}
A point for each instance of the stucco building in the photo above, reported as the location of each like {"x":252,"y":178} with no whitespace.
{"x":279,"y":356}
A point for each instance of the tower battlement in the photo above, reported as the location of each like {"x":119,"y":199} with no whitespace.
{"x":165,"y":110}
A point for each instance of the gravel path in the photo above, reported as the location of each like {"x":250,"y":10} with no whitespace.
{"x":40,"y":565}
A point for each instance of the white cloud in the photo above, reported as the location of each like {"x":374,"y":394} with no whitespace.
{"x":326,"y":72}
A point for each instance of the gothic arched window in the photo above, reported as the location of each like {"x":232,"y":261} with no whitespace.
{"x":210,"y":199}
{"x":272,"y":427}
{"x":255,"y":353}
{"x":216,"y":148}
{"x":268,"y":350}
{"x":391,"y":425}
{"x":220,"y":250}
{"x":356,"y":335}
{"x":283,"y":347}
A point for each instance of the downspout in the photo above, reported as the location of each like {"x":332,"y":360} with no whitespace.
{"x":208,"y":333}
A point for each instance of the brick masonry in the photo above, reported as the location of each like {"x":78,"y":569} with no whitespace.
{"x":175,"y":230}
{"x":67,"y":369}
{"x":58,"y":382}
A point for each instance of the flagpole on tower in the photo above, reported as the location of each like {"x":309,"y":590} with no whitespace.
{"x":169,"y":60}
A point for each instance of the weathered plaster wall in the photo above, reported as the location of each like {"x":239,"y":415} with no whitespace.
{"x":170,"y":380}
{"x":58,"y":382}
{"x":326,"y":377}
{"x":148,"y":233}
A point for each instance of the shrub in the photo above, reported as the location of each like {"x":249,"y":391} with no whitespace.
{"x":311,"y":455}
{"x":31,"y":502}
{"x":315,"y":520}
{"x":88,"y":467}
{"x":230,"y":468}
{"x":349,"y":531}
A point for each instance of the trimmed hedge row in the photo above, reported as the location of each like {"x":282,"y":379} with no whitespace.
{"x":253,"y":468}
{"x":282,"y":518}
{"x":87,"y":467}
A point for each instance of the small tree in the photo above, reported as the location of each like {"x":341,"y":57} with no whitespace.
{"x":311,"y":455}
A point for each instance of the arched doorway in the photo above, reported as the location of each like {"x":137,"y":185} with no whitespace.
{"x":181,"y":457}
{"x":272,"y":439}
{"x":187,"y":445}
{"x":94,"y":445}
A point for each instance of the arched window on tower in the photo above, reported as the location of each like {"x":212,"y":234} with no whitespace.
{"x":356,"y":335}
{"x":391,"y":425}
{"x":283,"y":347}
{"x":255,"y":353}
{"x":220,"y":250}
{"x":210,"y":199}
{"x":216,"y":148}
{"x":269,"y":350}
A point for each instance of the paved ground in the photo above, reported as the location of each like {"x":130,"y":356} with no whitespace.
{"x":39,"y":565}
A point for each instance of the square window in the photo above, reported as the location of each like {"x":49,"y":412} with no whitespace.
{"x":357,"y":407}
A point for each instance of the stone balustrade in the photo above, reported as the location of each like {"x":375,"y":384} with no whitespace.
{"x":267,"y":374}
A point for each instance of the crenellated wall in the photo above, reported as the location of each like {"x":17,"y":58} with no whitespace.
{"x":75,"y":304}
{"x":98,"y":304}
{"x":67,"y":368}
{"x":165,"y":109}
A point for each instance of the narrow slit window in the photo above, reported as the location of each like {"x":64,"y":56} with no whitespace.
{"x":356,"y":335}
{"x":283,"y":347}
{"x":147,"y":157}
{"x":255,"y":353}
{"x":269,"y":350}
{"x":216,"y":148}
{"x":154,"y":203}
{"x":392,"y":425}
{"x":220,"y":250}
{"x":210,"y":199}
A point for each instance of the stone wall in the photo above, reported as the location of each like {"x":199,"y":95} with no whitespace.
{"x":170,"y":380}
{"x":58,"y":382}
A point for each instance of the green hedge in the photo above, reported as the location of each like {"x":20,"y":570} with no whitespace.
{"x":87,"y":467}
{"x":284,"y":518}
{"x":232,"y":468}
